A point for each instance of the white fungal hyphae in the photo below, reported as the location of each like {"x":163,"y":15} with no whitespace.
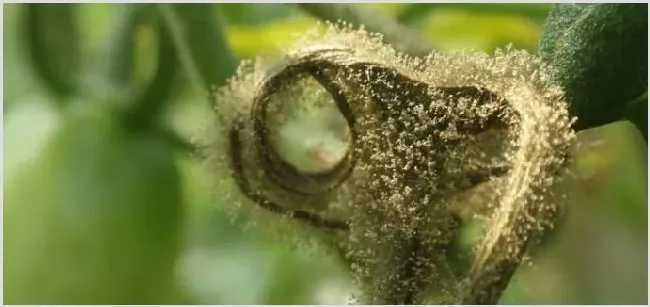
{"x":422,"y":142}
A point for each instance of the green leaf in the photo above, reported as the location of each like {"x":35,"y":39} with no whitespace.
{"x":257,"y":13}
{"x":452,"y":29}
{"x":599,"y":53}
{"x":200,"y":42}
{"x":417,"y":11}
{"x":52,"y":43}
{"x":249,"y":41}
{"x":615,"y":172}
{"x":95,"y":218}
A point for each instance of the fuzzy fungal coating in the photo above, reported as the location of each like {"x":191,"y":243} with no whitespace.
{"x":424,"y":136}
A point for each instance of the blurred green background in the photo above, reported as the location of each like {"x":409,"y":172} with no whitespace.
{"x":99,"y":209}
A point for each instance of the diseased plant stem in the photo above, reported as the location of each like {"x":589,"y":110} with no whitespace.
{"x":488,"y":278}
{"x":487,"y":283}
{"x":395,"y":34}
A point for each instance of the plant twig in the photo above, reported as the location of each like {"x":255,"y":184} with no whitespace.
{"x":395,"y":34}
{"x":201,"y":47}
{"x":200,"y":43}
{"x":119,"y":53}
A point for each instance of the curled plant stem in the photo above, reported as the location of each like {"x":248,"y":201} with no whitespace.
{"x":401,"y":37}
{"x":285,"y":176}
{"x":291,"y":178}
{"x":288,"y":177}
{"x":417,"y":139}
{"x":262,"y":202}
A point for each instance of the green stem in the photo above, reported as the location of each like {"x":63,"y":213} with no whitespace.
{"x":119,"y":53}
{"x":158,"y":94}
{"x":200,"y":43}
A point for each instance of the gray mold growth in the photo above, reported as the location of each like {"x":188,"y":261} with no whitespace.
{"x":424,"y":139}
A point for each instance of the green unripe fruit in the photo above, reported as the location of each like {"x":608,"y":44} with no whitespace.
{"x":95,"y":218}
{"x":599,"y":52}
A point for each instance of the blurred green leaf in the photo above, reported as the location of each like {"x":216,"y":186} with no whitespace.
{"x":51,"y":36}
{"x":249,"y":41}
{"x":257,"y":13}
{"x":610,"y":164}
{"x":394,"y":10}
{"x":636,"y":111}
{"x":98,"y":20}
{"x":221,"y":265}
{"x":535,"y":12}
{"x":357,"y":14}
{"x":603,"y":245}
{"x":27,"y":128}
{"x":19,"y":84}
{"x":599,"y":52}
{"x":200,"y":42}
{"x":613,"y":161}
{"x":256,"y":28}
{"x":451,"y":29}
{"x":597,"y":252}
{"x":289,"y":283}
{"x":95,"y":218}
